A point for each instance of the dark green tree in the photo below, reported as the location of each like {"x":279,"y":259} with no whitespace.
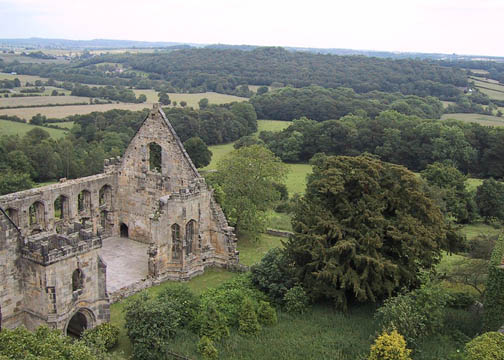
{"x":490,"y":199}
{"x":203,"y":103}
{"x":198,"y":152}
{"x":163,"y":98}
{"x":183,"y":103}
{"x":363,"y":229}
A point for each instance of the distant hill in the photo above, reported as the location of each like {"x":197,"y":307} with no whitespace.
{"x":42,"y":43}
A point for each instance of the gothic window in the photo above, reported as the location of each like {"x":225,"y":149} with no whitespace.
{"x":61,"y":210}
{"x":77,"y":280}
{"x":105,"y":196}
{"x":155,"y":157}
{"x":36,"y":214}
{"x":176,"y":243}
{"x":189,"y":235}
{"x":84,"y":201}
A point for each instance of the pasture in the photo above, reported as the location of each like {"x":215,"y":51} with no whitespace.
{"x":486,"y":120}
{"x":41,"y":100}
{"x":22,"y":78}
{"x":492,"y":89}
{"x":191,"y":99}
{"x":15,"y":128}
{"x":60,"y":112}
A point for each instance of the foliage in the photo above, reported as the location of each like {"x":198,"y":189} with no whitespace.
{"x":274,"y":275}
{"x":44,"y":343}
{"x":489,"y":346}
{"x":247,"y":319}
{"x":247,"y":141}
{"x":183,"y":300}
{"x":266,"y":314}
{"x":296,"y":300}
{"x":207,"y":349}
{"x":228,"y":297}
{"x":246,"y":176}
{"x":150,"y":323}
{"x":321,"y":104}
{"x":212,"y":323}
{"x":364,"y":229}
{"x":415,"y":314}
{"x":11,"y":181}
{"x":460,"y":300}
{"x":450,"y":183}
{"x":103,"y":336}
{"x":390,"y":346}
{"x":490,"y":199}
{"x":198,"y":152}
{"x":494,"y":295}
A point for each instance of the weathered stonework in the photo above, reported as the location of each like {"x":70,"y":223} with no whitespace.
{"x":50,"y":268}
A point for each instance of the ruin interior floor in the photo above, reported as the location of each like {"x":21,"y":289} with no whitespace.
{"x":127,"y":262}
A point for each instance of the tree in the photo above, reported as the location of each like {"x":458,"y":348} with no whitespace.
{"x":183,"y":103}
{"x":198,"y":152}
{"x":163,"y":98}
{"x":142,"y":98}
{"x":246,"y":176}
{"x":262,"y":90}
{"x":203,"y":103}
{"x":490,"y":199}
{"x":54,"y":92}
{"x":364,"y":229}
{"x":247,"y":320}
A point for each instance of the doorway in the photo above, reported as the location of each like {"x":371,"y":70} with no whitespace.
{"x":78,"y":323}
{"x":124,"y":230}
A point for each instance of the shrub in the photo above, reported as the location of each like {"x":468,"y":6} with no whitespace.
{"x":494,"y":295}
{"x":296,"y":300}
{"x":183,"y":300}
{"x":390,"y":346}
{"x":274,"y":275}
{"x":460,"y":300}
{"x":248,"y":323}
{"x":103,"y":336}
{"x":207,"y":349}
{"x":266,"y":314}
{"x":489,"y":346}
{"x":150,"y":323}
{"x":229,"y":296}
{"x":414,"y":314}
{"x":212,"y":323}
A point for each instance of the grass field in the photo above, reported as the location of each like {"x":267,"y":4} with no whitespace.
{"x":488,"y":83}
{"x":60,"y":112}
{"x":41,"y":100}
{"x":22,"y":78}
{"x":66,"y":124}
{"x":485,"y":120}
{"x":473,"y":230}
{"x":191,"y":99}
{"x":15,"y":128}
{"x":447,"y":103}
{"x":271,"y":125}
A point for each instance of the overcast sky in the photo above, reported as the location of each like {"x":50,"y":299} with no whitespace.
{"x":445,"y":26}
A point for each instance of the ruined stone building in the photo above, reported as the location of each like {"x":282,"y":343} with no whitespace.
{"x":51,"y":270}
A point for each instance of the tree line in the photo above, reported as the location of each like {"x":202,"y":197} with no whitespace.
{"x":398,"y":138}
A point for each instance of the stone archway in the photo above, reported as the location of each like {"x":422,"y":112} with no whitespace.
{"x":83,"y":319}
{"x":124,"y":231}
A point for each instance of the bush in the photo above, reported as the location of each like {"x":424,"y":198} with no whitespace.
{"x":212,"y":323}
{"x":183,"y":300}
{"x":150,"y":323}
{"x":266,"y":314}
{"x":274,"y":275}
{"x":414,"y":314}
{"x":494,"y":295}
{"x":296,"y":300}
{"x":103,"y":336}
{"x":248,"y":323}
{"x":460,"y":300}
{"x":228,"y":297}
{"x":207,"y":349}
{"x":390,"y":346}
{"x":489,"y":346}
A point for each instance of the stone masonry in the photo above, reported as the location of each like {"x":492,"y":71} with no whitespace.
{"x":51,"y":271}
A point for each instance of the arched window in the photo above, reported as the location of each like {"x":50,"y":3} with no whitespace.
{"x":155,"y":163}
{"x":189,"y":236}
{"x":61,"y":210}
{"x":36,"y":214}
{"x":105,"y":196}
{"x":84,"y":201}
{"x":176,"y":246}
{"x":77,"y":280}
{"x":13,"y":214}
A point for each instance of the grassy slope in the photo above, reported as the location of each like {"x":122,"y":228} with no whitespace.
{"x":486,"y":120}
{"x":41,"y":100}
{"x":15,"y":128}
{"x":191,"y":99}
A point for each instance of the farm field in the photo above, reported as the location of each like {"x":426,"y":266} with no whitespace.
{"x":494,"y":85}
{"x":271,"y":125}
{"x":66,"y":124}
{"x":486,"y":120}
{"x":61,"y":112}
{"x":41,"y":100}
{"x":447,"y":103}
{"x":191,"y":99}
{"x":15,"y":128}
{"x":22,"y":78}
